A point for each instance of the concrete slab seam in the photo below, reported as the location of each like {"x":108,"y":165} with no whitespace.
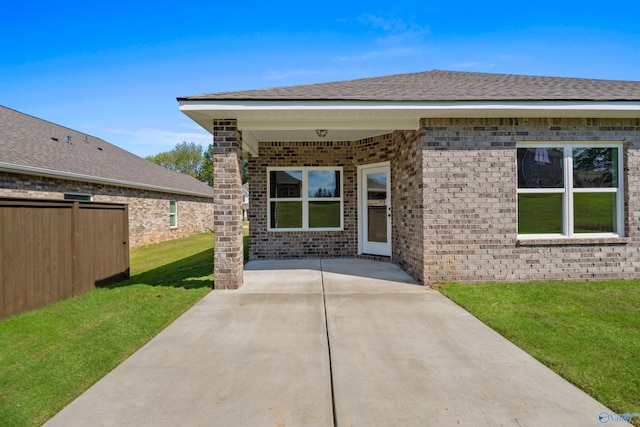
{"x":326,"y":327}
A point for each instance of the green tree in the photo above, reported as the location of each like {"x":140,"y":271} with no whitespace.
{"x":323,"y":192}
{"x":185,"y":158}
{"x":206,"y":171}
{"x":245,"y":170}
{"x":188,"y":158}
{"x":192,"y":159}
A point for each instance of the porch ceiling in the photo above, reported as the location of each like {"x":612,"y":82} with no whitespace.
{"x":297,"y":120}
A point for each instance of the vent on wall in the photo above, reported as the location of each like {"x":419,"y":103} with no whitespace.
{"x":78,"y":196}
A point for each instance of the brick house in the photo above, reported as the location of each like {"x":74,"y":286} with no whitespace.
{"x":43,"y":160}
{"x":451,"y":175}
{"x":245,"y":201}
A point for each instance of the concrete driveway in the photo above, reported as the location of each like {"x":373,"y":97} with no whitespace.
{"x":330,"y":342}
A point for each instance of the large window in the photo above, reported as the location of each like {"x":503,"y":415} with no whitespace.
{"x":570,"y":190}
{"x":305,"y":199}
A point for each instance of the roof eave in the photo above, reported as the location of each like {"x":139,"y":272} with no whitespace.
{"x":317,"y":103}
{"x":48,"y":173}
{"x":277,"y":120}
{"x":202,"y":111}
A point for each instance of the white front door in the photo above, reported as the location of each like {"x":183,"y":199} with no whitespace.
{"x":374,"y":182}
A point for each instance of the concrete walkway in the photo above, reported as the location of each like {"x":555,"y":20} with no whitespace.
{"x":396,"y":354}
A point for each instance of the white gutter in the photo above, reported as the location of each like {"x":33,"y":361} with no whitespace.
{"x":30,"y":170}
{"x":407,"y":106}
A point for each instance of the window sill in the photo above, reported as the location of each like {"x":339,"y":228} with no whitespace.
{"x":572,"y":241}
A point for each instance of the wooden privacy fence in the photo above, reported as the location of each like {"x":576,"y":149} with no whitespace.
{"x":55,"y":249}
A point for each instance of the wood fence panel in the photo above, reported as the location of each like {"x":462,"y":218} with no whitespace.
{"x":8,"y":222}
{"x":33,"y":238}
{"x":60,"y":265}
{"x":52,"y":250}
{"x":102,"y":260}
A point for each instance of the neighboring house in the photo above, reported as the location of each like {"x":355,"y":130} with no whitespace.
{"x":245,"y":201}
{"x":39,"y":159}
{"x":451,"y":175}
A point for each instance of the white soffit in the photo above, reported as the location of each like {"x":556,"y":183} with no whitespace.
{"x":352,"y":120}
{"x":253,"y":112}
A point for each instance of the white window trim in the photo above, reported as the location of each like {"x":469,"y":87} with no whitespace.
{"x":305,"y":199}
{"x":567,"y":191}
{"x":173,"y":214}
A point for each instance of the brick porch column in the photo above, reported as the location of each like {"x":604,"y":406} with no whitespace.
{"x":227,"y":205}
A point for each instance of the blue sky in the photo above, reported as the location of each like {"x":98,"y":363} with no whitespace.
{"x":113,"y":69}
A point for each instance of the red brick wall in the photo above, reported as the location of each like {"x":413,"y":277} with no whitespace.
{"x":454,"y":201}
{"x":470,"y":203}
{"x":401,"y":149}
{"x":227,"y":201}
{"x":407,"y":200}
{"x":301,"y":244}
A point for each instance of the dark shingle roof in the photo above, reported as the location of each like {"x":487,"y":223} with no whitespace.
{"x":27,"y":141}
{"x":439,"y":85}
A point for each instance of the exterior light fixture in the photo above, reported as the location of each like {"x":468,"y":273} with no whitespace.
{"x":321,"y":132}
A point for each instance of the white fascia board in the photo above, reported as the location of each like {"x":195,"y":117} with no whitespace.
{"x":48,"y":173}
{"x":415,"y":106}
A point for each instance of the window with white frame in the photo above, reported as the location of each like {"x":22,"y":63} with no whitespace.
{"x":308,"y":198}
{"x":570,"y":190}
{"x":173,"y":213}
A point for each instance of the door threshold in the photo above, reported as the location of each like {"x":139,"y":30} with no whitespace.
{"x":373,"y":257}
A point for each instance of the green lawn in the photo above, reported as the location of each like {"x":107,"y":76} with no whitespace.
{"x":50,"y":356}
{"x":588,"y":332}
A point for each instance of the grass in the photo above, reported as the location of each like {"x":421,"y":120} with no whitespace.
{"x":245,"y":242}
{"x":588,"y":332}
{"x":50,"y":356}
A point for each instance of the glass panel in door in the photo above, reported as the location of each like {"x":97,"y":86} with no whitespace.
{"x":375,"y":214}
{"x":377,"y":207}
